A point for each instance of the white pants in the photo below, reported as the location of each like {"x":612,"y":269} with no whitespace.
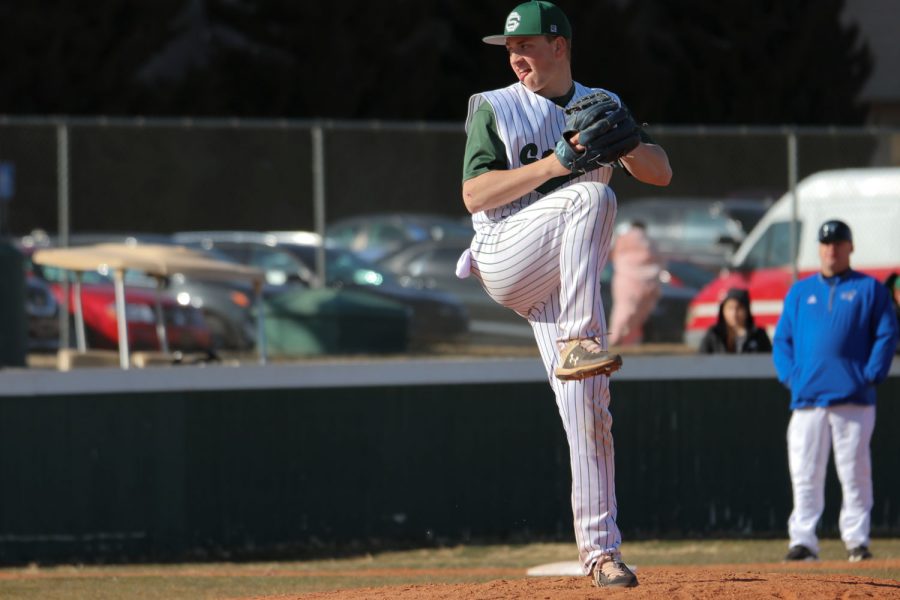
{"x":811,"y":434}
{"x":544,"y":262}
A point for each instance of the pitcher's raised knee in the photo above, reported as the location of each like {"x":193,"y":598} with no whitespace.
{"x":593,"y":209}
{"x":593,"y":194}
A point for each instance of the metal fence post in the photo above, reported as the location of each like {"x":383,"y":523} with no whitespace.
{"x":792,"y":185}
{"x":318,"y":176}
{"x":62,"y":217}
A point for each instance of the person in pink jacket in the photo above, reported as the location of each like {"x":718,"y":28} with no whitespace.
{"x":635,"y":284}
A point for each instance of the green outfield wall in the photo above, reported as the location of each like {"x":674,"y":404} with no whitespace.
{"x":285,"y":460}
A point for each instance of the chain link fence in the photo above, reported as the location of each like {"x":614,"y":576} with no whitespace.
{"x":134,"y":175}
{"x":146,"y":175}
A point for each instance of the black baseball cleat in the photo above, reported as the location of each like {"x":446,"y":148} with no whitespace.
{"x":800,"y":552}
{"x":610,"y":571}
{"x":584,"y":358}
{"x":858,"y":554}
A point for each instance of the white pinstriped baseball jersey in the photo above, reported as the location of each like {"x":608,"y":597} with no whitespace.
{"x":526,"y":119}
{"x":541,"y":256}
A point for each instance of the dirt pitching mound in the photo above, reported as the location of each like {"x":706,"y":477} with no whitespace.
{"x":732,"y":582}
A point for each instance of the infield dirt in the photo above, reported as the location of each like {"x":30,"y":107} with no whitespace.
{"x":827,"y":579}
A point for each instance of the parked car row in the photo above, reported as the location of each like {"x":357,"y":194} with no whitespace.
{"x":217,"y":315}
{"x":431,"y":265}
{"x":696,"y":237}
{"x":408,"y":261}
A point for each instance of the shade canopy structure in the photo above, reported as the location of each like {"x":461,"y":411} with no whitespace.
{"x":159,"y":261}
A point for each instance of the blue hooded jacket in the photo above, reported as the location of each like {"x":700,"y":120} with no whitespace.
{"x":835,"y":339}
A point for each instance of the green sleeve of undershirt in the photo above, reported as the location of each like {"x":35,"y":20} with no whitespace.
{"x":484,"y":149}
{"x":486,"y":152}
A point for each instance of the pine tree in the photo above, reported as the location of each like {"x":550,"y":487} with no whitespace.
{"x":750,"y":61}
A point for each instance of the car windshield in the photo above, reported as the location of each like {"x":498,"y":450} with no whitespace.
{"x":747,"y":217}
{"x":772,"y":249}
{"x":342,"y":266}
{"x":133,"y":278}
{"x":682,"y":225}
{"x":100,"y":276}
{"x":700,"y":228}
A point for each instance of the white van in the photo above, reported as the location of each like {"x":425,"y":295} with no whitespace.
{"x":868,"y":200}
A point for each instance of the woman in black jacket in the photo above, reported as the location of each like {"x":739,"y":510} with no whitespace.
{"x":735,"y":332}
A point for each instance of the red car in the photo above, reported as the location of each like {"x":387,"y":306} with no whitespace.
{"x":185,"y":328}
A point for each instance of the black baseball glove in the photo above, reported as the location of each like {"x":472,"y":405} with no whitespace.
{"x":605,"y":129}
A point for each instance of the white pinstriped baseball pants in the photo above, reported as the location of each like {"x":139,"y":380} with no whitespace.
{"x":811,"y":434}
{"x":544,"y":262}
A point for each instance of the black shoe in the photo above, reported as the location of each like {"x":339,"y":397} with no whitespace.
{"x":800,"y":553}
{"x":859,"y":553}
{"x":612,"y":572}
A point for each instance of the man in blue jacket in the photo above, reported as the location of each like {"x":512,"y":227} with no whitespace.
{"x":834,"y":343}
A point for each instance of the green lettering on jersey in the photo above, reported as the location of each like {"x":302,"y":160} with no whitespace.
{"x":528,"y":154}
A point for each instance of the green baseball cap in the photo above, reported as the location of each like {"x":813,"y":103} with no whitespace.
{"x":537,"y":17}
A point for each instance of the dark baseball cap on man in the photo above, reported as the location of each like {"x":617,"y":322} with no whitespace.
{"x":834,"y":231}
{"x":537,"y":17}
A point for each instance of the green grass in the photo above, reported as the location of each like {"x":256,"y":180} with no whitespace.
{"x":223,"y":580}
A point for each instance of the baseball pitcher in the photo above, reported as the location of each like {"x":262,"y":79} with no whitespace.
{"x":539,"y":157}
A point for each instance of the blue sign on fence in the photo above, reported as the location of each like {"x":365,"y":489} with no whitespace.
{"x":7,"y":180}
